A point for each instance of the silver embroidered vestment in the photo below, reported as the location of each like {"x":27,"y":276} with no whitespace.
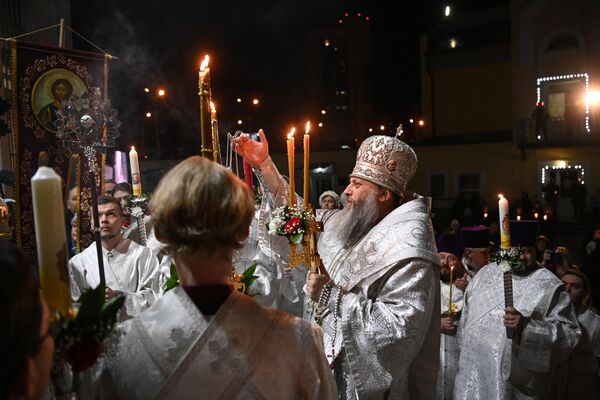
{"x":245,"y":351}
{"x":387,"y":338}
{"x":490,"y":366}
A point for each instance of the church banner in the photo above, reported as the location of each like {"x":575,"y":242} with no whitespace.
{"x":42,"y":78}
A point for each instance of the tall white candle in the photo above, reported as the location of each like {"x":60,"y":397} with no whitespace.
{"x":135,"y":172}
{"x":51,"y":239}
{"x":504,"y":222}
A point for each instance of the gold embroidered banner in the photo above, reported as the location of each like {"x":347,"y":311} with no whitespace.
{"x":43,"y":77}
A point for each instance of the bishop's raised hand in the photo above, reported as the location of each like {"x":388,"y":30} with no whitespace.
{"x":255,"y":152}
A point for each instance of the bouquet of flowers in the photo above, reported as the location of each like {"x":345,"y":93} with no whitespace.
{"x":82,"y":332}
{"x":290,"y":222}
{"x":508,"y":259}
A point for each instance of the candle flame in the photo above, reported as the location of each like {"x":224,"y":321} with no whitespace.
{"x":500,"y":196}
{"x":212,"y":107}
{"x":518,"y":217}
{"x":307,"y":130}
{"x":133,"y":148}
{"x":545,"y":217}
{"x":204,"y":64}
{"x":291,"y":134}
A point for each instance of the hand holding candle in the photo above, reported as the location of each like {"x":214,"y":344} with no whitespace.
{"x":306,"y":188}
{"x":136,"y":181}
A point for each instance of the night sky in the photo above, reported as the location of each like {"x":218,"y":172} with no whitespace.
{"x":257,"y":49}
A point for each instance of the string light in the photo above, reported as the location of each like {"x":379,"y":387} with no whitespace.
{"x":584,"y":75}
{"x":560,"y":165}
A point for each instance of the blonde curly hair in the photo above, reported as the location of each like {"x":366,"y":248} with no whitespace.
{"x":201,"y":206}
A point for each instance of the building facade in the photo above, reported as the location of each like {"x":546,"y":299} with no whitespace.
{"x":512,"y":97}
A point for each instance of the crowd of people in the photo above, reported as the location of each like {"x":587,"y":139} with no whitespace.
{"x":394,"y":312}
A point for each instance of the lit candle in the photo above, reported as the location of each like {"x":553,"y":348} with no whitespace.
{"x":205,"y":120}
{"x":306,"y":188}
{"x":136,"y":181}
{"x":504,"y":222}
{"x":518,"y":217}
{"x":51,"y":239}
{"x":536,"y":215}
{"x":450,"y":308}
{"x":545,"y":217}
{"x":290,"y":152}
{"x":214,"y":124}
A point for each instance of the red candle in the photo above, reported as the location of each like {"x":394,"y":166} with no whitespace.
{"x":248,"y":175}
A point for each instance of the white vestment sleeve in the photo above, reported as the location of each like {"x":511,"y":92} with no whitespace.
{"x":148,"y":283}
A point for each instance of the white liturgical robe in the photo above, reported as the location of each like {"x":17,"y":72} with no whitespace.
{"x":448,"y":345}
{"x":129,"y":268}
{"x":245,"y":351}
{"x":492,"y":367}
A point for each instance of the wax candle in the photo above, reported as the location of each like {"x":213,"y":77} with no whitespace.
{"x":290,"y":154}
{"x":51,"y":239}
{"x":248,"y":175}
{"x":451,"y":284}
{"x":214,"y":123}
{"x":306,"y":188}
{"x":504,"y":222}
{"x":205,"y":120}
{"x":136,"y":181}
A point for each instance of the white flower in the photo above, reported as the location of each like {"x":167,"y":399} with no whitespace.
{"x":505,"y":266}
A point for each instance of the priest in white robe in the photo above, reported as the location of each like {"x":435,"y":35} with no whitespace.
{"x":543,"y":324}
{"x":129,"y":269}
{"x":379,"y":298}
{"x":203,"y":339}
{"x":476,"y":241}
{"x":451,"y":307}
{"x":583,"y":367}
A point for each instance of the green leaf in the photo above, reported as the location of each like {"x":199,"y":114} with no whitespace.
{"x":249,"y":272}
{"x":173,"y":281}
{"x":248,"y":277}
{"x":90,"y":304}
{"x":111,"y":308}
{"x":297,"y":238}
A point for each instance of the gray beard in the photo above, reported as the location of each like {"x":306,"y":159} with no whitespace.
{"x":355,"y":222}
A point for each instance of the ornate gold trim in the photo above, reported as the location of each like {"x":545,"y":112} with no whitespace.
{"x":15,"y":134}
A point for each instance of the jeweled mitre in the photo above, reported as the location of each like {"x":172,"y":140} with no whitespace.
{"x":385,"y":161}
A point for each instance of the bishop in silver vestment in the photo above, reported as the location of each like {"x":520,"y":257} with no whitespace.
{"x":490,"y":365}
{"x":386,"y":341}
{"x":379,"y":311}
